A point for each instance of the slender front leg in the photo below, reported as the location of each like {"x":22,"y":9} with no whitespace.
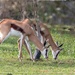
{"x":19,"y":56}
{"x":21,"y":41}
{"x":28,"y":47}
{"x":37,"y":53}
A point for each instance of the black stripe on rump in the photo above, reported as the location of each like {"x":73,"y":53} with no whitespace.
{"x":17,"y":28}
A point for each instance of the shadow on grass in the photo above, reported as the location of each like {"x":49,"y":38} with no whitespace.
{"x":53,"y":63}
{"x":14,"y":62}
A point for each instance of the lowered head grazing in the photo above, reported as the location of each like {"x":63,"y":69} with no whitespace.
{"x":56,"y":53}
{"x":45,"y":51}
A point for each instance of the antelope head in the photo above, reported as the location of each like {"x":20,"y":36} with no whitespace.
{"x":55,"y":54}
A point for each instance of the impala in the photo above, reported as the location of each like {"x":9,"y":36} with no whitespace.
{"x":10,"y":27}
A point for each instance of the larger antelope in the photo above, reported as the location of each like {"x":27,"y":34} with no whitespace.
{"x":22,"y":29}
{"x":45,"y":33}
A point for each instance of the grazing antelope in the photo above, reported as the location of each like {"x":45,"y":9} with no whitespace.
{"x":27,"y":44}
{"x":10,"y":27}
{"x":44,"y":31}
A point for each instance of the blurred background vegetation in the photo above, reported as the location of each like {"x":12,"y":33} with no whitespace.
{"x":53,"y":12}
{"x":58,"y":14}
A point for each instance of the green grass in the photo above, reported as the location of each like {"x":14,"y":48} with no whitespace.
{"x":64,"y":65}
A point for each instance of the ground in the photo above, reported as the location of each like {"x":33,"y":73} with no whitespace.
{"x":64,"y":65}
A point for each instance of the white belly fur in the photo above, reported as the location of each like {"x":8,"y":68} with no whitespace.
{"x":13,"y":33}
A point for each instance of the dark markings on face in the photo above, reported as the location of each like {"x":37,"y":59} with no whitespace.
{"x":57,"y":55}
{"x":17,"y":28}
{"x":46,"y":53}
{"x":45,"y":43}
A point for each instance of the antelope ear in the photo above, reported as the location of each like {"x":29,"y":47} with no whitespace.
{"x":61,"y":45}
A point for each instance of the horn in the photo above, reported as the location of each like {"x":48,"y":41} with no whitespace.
{"x":45,"y":43}
{"x":61,"y":45}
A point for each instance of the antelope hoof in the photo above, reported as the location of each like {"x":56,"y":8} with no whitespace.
{"x":33,"y":60}
{"x":20,"y":58}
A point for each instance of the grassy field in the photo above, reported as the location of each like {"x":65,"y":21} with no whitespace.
{"x":64,"y":65}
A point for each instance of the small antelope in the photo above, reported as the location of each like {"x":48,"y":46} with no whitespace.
{"x":10,"y":27}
